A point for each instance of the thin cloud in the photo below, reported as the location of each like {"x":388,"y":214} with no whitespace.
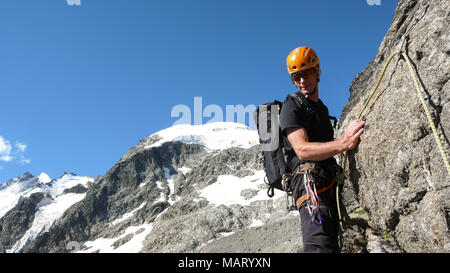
{"x":5,"y":150}
{"x":21,"y":146}
{"x":9,"y":153}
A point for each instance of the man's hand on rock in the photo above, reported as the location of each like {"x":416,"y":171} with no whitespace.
{"x":352,"y":134}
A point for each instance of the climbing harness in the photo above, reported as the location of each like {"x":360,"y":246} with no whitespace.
{"x":419,"y":15}
{"x":312,"y":202}
{"x":311,"y":197}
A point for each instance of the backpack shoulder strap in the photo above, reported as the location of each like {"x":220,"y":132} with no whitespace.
{"x":303,"y":103}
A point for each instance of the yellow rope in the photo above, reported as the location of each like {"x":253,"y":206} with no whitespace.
{"x":341,"y":179}
{"x":427,"y":112}
{"x":378,"y":83}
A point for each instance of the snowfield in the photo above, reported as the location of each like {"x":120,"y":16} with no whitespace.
{"x":227,"y":190}
{"x":12,"y":190}
{"x":214,"y":136}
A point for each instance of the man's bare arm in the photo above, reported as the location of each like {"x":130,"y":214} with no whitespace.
{"x":316,"y":151}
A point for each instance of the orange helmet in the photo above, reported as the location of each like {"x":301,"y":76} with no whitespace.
{"x":302,"y":58}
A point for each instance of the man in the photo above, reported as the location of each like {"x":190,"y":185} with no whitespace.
{"x":308,"y":137}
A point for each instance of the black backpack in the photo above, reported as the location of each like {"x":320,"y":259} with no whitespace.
{"x":273,"y":154}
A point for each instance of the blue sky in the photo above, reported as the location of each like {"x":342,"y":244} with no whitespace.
{"x":82,"y":84}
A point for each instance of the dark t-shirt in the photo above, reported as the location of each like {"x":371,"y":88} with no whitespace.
{"x":317,"y":125}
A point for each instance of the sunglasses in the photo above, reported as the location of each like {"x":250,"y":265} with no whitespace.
{"x":303,"y":74}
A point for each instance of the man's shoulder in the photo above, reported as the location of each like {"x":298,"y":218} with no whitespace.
{"x":293,"y":95}
{"x":296,"y":101}
{"x":293,"y":113}
{"x":292,"y":98}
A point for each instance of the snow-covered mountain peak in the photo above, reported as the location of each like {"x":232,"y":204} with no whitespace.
{"x":43,"y":178}
{"x":23,"y":183}
{"x":27,"y":184}
{"x":214,"y":136}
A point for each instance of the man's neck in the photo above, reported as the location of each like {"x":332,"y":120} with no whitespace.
{"x":314,"y":97}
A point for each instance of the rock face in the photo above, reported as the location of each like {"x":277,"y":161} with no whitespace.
{"x":397,"y":174}
{"x":18,"y":220}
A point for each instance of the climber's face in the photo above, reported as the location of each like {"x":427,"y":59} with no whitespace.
{"x":306,"y":81}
